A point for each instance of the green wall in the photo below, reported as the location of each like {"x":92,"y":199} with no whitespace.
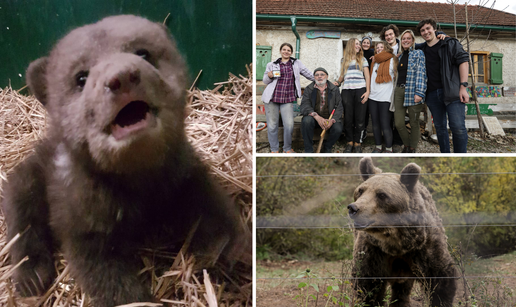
{"x":215,"y":36}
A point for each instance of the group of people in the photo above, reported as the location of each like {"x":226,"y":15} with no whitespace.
{"x":389,"y":81}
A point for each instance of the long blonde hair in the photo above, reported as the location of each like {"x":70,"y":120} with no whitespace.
{"x":350,"y":55}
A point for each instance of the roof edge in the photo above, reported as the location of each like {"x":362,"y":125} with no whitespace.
{"x":323,"y":19}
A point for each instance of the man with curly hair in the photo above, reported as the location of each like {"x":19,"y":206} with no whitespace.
{"x":389,"y":34}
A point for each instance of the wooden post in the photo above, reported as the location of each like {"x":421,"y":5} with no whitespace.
{"x":473,"y":87}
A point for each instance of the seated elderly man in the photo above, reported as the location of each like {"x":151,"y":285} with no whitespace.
{"x":319,"y":100}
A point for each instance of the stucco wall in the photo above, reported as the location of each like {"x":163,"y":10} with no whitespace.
{"x":507,"y":48}
{"x":327,"y":52}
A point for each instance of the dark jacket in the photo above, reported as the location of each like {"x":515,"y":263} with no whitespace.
{"x":334,"y":99}
{"x":451,"y":55}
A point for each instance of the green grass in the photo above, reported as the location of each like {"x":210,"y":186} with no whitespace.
{"x":489,"y":287}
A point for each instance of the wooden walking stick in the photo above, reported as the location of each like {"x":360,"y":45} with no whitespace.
{"x":323,"y":132}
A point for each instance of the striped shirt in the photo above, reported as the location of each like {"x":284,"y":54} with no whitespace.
{"x":285,"y":90}
{"x":416,"y":83}
{"x":354,"y":77}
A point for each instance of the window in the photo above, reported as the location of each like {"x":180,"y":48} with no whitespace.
{"x":480,"y":66}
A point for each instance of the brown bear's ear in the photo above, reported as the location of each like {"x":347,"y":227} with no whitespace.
{"x":367,"y":169}
{"x":37,"y":80}
{"x":410,"y":175}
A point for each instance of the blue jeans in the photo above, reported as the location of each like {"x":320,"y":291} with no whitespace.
{"x":455,"y":113}
{"x":272,"y":111}
{"x":308,"y":125}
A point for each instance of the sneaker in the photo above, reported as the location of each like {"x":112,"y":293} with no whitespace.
{"x":290,"y":151}
{"x":358,"y":149}
{"x":405,"y":149}
{"x":387,"y":151}
{"x":348,"y":149}
{"x":376,"y":150}
{"x":396,"y":148}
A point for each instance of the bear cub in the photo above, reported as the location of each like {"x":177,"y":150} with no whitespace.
{"x":115,"y":172}
{"x":399,"y":236}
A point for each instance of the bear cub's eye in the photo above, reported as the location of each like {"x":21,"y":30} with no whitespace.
{"x":144,"y":54}
{"x":81,"y":77}
{"x":381,"y":195}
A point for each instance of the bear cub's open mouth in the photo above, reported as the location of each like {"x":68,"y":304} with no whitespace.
{"x":131,"y":119}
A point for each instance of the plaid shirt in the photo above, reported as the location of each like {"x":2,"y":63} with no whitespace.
{"x":285,"y":90}
{"x":416,"y":77}
{"x":322,"y":91}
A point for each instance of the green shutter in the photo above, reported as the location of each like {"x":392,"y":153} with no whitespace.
{"x":496,"y":68}
{"x":263,"y":56}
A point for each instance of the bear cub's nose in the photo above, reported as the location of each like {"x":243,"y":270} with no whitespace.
{"x":352,"y":209}
{"x":124,"y":79}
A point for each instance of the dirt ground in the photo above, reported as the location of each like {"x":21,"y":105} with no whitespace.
{"x":490,"y":144}
{"x":273,"y":290}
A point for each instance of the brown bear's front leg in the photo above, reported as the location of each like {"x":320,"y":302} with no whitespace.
{"x":401,"y":293}
{"x":105,"y":271}
{"x":371,"y":291}
{"x":442,"y":292}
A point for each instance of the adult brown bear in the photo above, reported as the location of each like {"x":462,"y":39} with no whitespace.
{"x":399,"y":239}
{"x":116,"y":172}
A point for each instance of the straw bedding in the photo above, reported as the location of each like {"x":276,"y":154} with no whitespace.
{"x":219,"y":126}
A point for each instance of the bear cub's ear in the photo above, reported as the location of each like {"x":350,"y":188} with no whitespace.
{"x":37,"y":80}
{"x":367,"y":169}
{"x":410,"y":175}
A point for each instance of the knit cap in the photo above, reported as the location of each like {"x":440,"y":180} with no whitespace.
{"x":320,"y":69}
{"x":367,"y":37}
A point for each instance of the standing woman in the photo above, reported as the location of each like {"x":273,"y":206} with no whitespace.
{"x":283,"y":88}
{"x":367,"y":47}
{"x":355,"y":81}
{"x":382,"y":90}
{"x":410,"y":91}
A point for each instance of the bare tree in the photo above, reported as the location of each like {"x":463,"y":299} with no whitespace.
{"x":472,"y":69}
{"x":453,"y":2}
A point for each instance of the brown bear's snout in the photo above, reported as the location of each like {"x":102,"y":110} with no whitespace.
{"x":352,"y":210}
{"x":126,"y":78}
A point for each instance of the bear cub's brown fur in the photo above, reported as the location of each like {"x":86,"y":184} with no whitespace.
{"x":115,"y":172}
{"x":399,"y":235}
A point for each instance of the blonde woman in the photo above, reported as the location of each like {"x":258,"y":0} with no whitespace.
{"x":410,"y":90}
{"x":355,"y":81}
{"x":382,"y":90}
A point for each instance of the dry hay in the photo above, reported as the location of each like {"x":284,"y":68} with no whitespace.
{"x":220,"y":128}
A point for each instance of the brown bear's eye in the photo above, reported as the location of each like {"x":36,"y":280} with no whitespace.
{"x":144,"y":54}
{"x":381,"y":195}
{"x":360,"y":192}
{"x":80,"y":78}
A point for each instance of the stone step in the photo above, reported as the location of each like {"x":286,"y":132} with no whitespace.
{"x":506,"y":122}
{"x":260,"y":87}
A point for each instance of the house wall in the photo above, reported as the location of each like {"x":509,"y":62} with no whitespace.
{"x":505,"y":47}
{"x":327,"y":52}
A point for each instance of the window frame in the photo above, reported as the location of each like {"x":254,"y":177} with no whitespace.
{"x":485,"y":66}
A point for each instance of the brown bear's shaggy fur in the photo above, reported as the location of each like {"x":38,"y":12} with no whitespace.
{"x":116,"y":172}
{"x":399,"y":236}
